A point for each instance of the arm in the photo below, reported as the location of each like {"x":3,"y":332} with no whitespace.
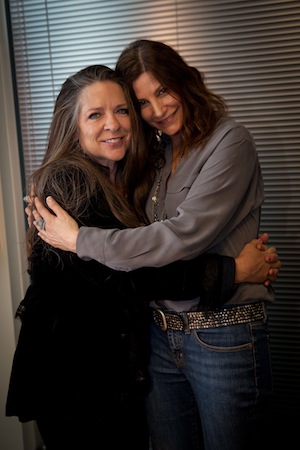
{"x":255,"y":264}
{"x":213,"y":277}
{"x":188,"y":233}
{"x":209,"y":276}
{"x":225,"y":188}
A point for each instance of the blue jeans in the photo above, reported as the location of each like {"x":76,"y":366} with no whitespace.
{"x":210,"y":388}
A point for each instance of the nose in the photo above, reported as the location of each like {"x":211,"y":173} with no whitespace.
{"x":157,"y":108}
{"x":112,"y":123}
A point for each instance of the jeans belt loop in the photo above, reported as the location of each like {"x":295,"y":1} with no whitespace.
{"x":185,"y":321}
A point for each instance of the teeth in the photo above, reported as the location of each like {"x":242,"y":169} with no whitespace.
{"x":167,"y":119}
{"x":113,"y":140}
{"x":170,"y":117}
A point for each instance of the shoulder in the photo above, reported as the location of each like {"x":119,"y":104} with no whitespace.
{"x":71,"y":176}
{"x":231,"y":138}
{"x":71,"y":168}
{"x":231,"y":142}
{"x":231,"y":127}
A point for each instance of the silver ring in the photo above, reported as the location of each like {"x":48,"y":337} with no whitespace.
{"x":41,"y":223}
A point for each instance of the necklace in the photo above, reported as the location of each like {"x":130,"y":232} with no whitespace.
{"x":155,"y":198}
{"x":177,"y":162}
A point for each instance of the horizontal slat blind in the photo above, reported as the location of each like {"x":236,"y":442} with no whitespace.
{"x":53,"y":39}
{"x":249,"y":52}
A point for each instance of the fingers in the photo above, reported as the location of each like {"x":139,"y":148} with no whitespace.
{"x":273,"y":272}
{"x":30,"y":217}
{"x":28,"y":210}
{"x":272,"y":277}
{"x":56,"y":208}
{"x":37,"y":220}
{"x":264,"y":237}
{"x":262,"y":241}
{"x":29,"y":199}
{"x":259,"y":244}
{"x":42,"y":212}
{"x":273,"y":260}
{"x":271,"y":257}
{"x":276,"y":265}
{"x":41,"y":215}
{"x":41,"y":209}
{"x":271,"y":250}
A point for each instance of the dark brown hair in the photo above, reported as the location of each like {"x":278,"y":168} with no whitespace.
{"x":202,"y":109}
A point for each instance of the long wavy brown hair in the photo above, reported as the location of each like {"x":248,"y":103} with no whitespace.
{"x":65,"y":164}
{"x":202,"y":109}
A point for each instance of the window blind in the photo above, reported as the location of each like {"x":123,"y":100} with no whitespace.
{"x":249,"y":52}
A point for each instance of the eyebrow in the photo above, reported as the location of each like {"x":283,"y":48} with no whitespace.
{"x":98,"y":108}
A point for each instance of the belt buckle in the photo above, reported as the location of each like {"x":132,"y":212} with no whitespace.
{"x":165,"y":326}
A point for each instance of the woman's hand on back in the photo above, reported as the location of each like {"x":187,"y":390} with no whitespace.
{"x":257,"y":263}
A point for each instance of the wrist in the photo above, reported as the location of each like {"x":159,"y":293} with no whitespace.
{"x":73,"y":241}
{"x":237,"y":275}
{"x":241,"y":275}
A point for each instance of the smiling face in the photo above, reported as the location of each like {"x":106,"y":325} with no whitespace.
{"x":159,"y":108}
{"x":104,"y":127}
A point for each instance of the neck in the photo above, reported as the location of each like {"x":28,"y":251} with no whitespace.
{"x":176,"y":146}
{"x":113,"y":170}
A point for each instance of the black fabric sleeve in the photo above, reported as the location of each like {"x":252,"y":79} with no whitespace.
{"x":209,"y":276}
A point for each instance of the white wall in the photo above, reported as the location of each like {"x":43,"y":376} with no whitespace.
{"x":13,"y":276}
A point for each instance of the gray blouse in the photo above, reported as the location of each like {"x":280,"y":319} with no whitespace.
{"x":212,"y":203}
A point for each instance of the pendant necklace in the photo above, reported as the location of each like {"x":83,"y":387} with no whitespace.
{"x":155,"y":198}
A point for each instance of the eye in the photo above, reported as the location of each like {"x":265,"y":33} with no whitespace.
{"x":94,"y":115}
{"x":123,"y":111}
{"x":142,"y":103}
{"x":162,"y":91}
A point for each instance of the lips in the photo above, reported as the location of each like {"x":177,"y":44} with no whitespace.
{"x":166,"y":120}
{"x":113,"y":140}
{"x":170,"y":117}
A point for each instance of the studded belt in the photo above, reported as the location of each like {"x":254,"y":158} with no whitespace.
{"x":224,"y":317}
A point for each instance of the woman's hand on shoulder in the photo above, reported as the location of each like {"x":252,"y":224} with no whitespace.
{"x":59,"y":229}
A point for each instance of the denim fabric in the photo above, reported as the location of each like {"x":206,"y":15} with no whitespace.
{"x":225,"y":372}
